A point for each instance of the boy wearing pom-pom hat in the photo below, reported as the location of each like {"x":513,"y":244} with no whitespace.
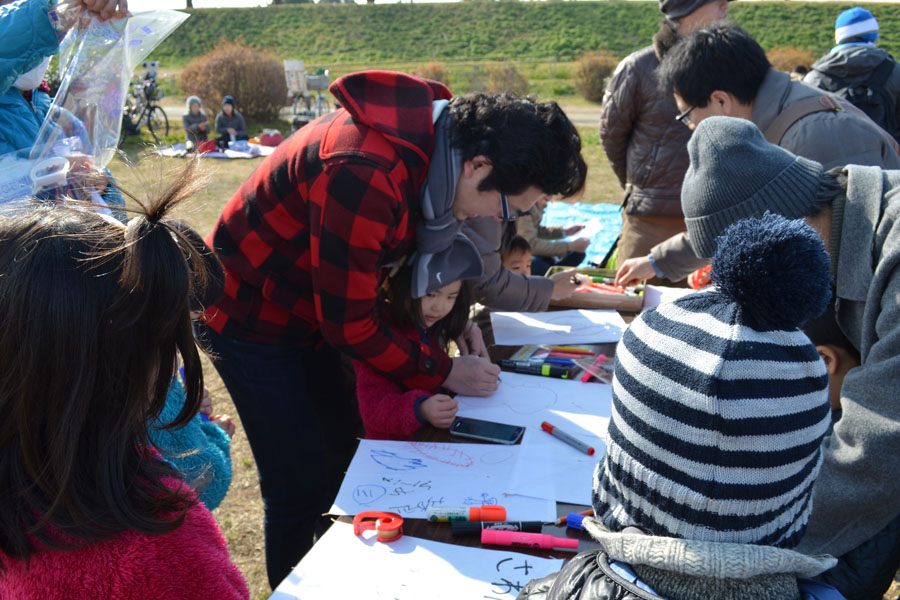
{"x":734,"y":174}
{"x":720,"y":406}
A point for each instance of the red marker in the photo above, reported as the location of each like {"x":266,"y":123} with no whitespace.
{"x":595,"y":366}
{"x":572,"y":441}
{"x":526,"y":540}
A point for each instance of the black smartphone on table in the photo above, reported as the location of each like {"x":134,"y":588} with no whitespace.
{"x":487,"y":431}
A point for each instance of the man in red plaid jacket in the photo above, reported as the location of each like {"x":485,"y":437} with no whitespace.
{"x":308,"y":239}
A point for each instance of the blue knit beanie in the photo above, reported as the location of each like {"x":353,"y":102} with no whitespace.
{"x":228,"y":100}
{"x":720,"y":402}
{"x":734,"y":173}
{"x":855,"y":22}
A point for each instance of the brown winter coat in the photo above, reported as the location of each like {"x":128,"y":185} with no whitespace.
{"x":645,"y":145}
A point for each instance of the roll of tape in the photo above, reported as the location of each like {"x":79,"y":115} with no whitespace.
{"x":388,"y":526}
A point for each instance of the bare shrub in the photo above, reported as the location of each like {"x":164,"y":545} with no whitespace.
{"x":432,"y":70}
{"x":254,"y":78}
{"x":506,"y":79}
{"x":591,"y":73}
{"x":786,"y":58}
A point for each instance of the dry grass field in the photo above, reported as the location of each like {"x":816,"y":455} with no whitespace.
{"x":240,"y":514}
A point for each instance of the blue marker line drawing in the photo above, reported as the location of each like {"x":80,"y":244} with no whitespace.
{"x":394,"y":462}
{"x":368,"y":493}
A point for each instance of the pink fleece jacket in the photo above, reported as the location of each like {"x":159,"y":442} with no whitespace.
{"x":388,"y":409}
{"x":190,"y":562}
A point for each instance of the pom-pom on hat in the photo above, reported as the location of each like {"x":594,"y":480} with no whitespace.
{"x":734,"y":173}
{"x":854,"y":23}
{"x":720,"y":402}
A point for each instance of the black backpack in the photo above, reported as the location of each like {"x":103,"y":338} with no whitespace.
{"x":870,"y":95}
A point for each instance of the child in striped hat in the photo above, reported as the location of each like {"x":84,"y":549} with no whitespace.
{"x":720,"y":404}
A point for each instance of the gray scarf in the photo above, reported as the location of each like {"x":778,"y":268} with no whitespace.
{"x":443,"y":253}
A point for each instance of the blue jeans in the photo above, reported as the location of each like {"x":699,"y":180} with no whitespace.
{"x":301,"y":425}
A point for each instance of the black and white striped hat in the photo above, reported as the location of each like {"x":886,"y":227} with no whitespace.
{"x":720,"y":402}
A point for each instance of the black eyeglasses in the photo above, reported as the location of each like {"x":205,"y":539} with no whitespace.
{"x":506,"y":214}
{"x":685,"y":117}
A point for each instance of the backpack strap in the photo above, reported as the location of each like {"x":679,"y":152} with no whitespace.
{"x":796,"y":111}
{"x":881,"y":73}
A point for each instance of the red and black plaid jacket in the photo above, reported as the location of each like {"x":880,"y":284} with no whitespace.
{"x":308,"y":238}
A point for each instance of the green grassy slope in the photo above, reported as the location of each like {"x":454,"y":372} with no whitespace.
{"x":561,"y":31}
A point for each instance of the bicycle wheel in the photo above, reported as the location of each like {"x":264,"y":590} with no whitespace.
{"x":158,"y":123}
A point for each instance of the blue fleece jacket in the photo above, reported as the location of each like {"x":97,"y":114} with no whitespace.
{"x":200,"y":450}
{"x":28,"y":38}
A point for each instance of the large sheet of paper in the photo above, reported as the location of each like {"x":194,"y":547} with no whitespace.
{"x":548,"y":467}
{"x":342,"y":565}
{"x":654,"y":295}
{"x":557,"y":327}
{"x":410,"y":477}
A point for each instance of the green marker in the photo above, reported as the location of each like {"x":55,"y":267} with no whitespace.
{"x":529,"y":368}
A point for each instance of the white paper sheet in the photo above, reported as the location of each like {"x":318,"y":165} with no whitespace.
{"x":557,"y":327}
{"x":409,"y":477}
{"x":654,"y":295}
{"x":546,"y":466}
{"x":342,"y":565}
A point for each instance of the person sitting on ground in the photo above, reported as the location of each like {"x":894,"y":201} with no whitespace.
{"x":857,"y":64}
{"x":720,"y":406}
{"x":195,"y":123}
{"x":433,"y":315}
{"x":230,"y":124}
{"x":547,"y":246}
{"x":516,"y":256}
{"x":90,"y":509}
{"x":721,"y":70}
{"x":734,"y":174}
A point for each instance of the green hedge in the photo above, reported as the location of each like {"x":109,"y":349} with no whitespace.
{"x":480,"y":30}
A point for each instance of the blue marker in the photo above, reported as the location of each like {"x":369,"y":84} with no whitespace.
{"x":574,"y":520}
{"x":566,"y":362}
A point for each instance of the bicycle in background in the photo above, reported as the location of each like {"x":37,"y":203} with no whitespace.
{"x":141,"y":107}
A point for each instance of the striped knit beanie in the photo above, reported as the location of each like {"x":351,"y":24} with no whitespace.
{"x":720,"y":402}
{"x":856,"y":23}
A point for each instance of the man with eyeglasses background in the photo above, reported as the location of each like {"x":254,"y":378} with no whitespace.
{"x":720,"y":70}
{"x":646,"y":147}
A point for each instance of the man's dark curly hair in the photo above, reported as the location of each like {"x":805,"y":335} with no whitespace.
{"x":528,"y":143}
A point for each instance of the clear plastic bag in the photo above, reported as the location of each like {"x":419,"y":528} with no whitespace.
{"x":97,"y":59}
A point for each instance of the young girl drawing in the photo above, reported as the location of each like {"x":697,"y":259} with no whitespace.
{"x":94,"y":315}
{"x":390,"y":411}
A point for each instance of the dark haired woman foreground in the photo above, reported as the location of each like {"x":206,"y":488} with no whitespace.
{"x":95,"y":314}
